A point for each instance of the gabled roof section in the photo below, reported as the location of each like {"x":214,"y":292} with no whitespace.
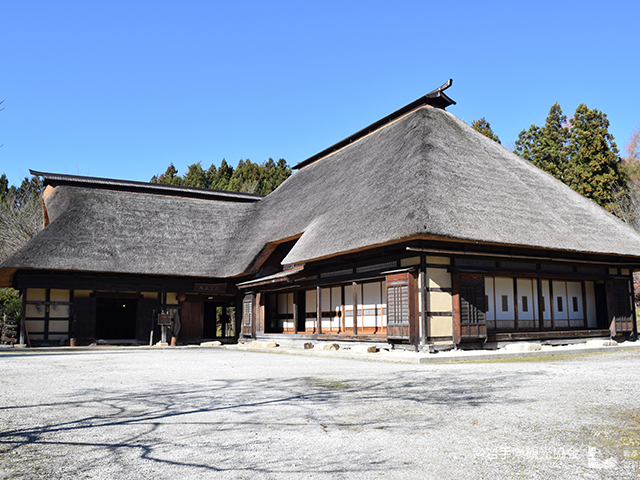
{"x":436,"y":98}
{"x":58,"y":179}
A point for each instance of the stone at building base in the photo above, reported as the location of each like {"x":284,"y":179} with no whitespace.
{"x":215,"y":343}
{"x":263,"y":344}
{"x":364,"y":349}
{"x":330,"y":346}
{"x":602,"y":343}
{"x":161,"y":344}
{"x":523,"y":347}
{"x":308,"y":346}
{"x":20,"y":345}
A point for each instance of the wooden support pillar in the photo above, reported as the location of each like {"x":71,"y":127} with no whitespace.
{"x":515,"y":303}
{"x":355,"y":307}
{"x":343,"y":320}
{"x":552,"y":306}
{"x":423,"y":289}
{"x":23,"y":301}
{"x":318,"y":310}
{"x":296,"y":311}
{"x":585,"y":323}
{"x":540,"y":305}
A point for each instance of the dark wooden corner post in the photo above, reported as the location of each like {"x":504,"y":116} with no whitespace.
{"x":318,"y":310}
{"x":354,"y":287}
{"x":540,"y":305}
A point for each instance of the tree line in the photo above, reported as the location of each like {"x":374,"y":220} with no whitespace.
{"x":249,"y":177}
{"x":581,"y":152}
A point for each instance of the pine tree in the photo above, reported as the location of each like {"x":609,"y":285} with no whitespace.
{"x":484,"y":128}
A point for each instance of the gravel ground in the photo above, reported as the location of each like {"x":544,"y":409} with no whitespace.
{"x":141,"y":413}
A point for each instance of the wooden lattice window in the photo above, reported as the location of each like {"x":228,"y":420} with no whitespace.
{"x":247,"y":316}
{"x":401,"y":307}
{"x":470,"y":307}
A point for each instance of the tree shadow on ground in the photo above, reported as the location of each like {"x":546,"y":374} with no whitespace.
{"x":230,"y":416}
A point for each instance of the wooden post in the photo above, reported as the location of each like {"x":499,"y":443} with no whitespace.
{"x":552,"y":306}
{"x":515,"y":303}
{"x":540,"y":305}
{"x":23,"y":308}
{"x":318,"y":310}
{"x":343,"y":328}
{"x":296,"y":311}
{"x":585,"y":324}
{"x":354,"y":287}
{"x":423,"y":269}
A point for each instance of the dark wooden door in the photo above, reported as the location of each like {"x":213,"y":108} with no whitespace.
{"x":146,"y":320}
{"x":402,"y":324}
{"x":619,"y":306}
{"x":192,"y":319}
{"x":469,"y":307}
{"x":84,"y":319}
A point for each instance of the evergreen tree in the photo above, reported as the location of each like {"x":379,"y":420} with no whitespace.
{"x":211,"y":175}
{"x":595,"y":168}
{"x":222,"y":176}
{"x":196,"y":177}
{"x":546,"y":147}
{"x":4,"y":186}
{"x":276,"y":173}
{"x":247,"y":177}
{"x":170,"y":177}
{"x":484,"y":128}
{"x":582,"y":154}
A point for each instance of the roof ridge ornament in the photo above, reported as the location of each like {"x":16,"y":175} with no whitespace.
{"x":441,"y":88}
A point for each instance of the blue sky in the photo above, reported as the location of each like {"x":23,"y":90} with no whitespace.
{"x":121,"y":89}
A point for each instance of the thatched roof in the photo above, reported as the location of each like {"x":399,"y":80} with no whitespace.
{"x":429,"y":173}
{"x":423,"y":174}
{"x":101,"y":230}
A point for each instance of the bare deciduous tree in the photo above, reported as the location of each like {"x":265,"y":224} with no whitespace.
{"x":20,"y":219}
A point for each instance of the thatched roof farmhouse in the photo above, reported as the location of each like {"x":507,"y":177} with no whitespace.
{"x":438,"y":235}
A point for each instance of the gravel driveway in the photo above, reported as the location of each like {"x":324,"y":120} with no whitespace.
{"x":179,"y":413}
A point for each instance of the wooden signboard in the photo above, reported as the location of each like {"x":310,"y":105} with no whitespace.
{"x":211,"y":288}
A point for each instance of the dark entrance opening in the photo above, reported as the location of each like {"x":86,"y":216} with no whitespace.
{"x":219,"y":320}
{"x":116,"y":318}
